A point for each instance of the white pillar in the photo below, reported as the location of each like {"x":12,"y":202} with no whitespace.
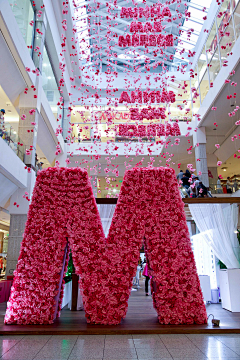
{"x":199,"y":143}
{"x":18,"y":218}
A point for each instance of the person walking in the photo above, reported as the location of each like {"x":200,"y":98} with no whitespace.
{"x":180,"y":175}
{"x":147,"y":278}
{"x":229,"y":187}
{"x":219,"y":186}
{"x":4,"y":264}
{"x":1,"y":264}
{"x":2,"y":122}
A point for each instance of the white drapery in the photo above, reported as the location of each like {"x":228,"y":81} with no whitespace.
{"x":106,"y":212}
{"x":217,"y":224}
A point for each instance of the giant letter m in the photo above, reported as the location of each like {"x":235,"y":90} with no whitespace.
{"x":63,"y":212}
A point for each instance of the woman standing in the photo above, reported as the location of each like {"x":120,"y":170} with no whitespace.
{"x":147,"y":278}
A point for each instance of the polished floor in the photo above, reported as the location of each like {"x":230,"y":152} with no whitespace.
{"x":141,"y":319}
{"x":120,"y":347}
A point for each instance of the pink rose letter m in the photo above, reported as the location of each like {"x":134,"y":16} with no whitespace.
{"x":64,"y":210}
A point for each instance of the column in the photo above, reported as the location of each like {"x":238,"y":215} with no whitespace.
{"x":17,"y":226}
{"x":66,"y":119}
{"x":27,"y":129}
{"x":1,"y":241}
{"x":213,"y":176}
{"x":28,"y":123}
{"x":199,"y":143}
{"x":18,"y":218}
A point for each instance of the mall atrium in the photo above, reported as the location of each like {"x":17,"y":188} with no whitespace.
{"x":119,"y":179}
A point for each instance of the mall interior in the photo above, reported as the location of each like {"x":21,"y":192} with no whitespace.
{"x":113,"y":91}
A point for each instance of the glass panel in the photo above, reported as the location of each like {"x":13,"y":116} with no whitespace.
{"x":202,"y":64}
{"x":24,"y":14}
{"x":183,"y":88}
{"x":211,"y":43}
{"x":214,"y":66}
{"x":227,"y":42}
{"x":196,"y":104}
{"x":224,"y":15}
{"x":234,"y":3}
{"x":204,"y":86}
{"x":181,"y":110}
{"x":194,"y":79}
{"x":237,"y":20}
{"x":10,"y":136}
{"x":50,"y":86}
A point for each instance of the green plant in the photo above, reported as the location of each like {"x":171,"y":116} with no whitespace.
{"x":238,"y":236}
{"x":70,"y":269}
{"x":222,"y":265}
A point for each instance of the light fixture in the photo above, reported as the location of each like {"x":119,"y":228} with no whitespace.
{"x":224,"y":168}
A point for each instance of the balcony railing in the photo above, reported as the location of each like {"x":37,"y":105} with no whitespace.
{"x":10,"y":136}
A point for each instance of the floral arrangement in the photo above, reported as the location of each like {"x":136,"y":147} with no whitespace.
{"x":149,"y":130}
{"x":147,"y":113}
{"x":156,"y":11}
{"x":146,"y":40}
{"x":63,"y":207}
{"x":148,"y":96}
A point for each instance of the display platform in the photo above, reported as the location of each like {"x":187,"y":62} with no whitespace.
{"x":141,"y":319}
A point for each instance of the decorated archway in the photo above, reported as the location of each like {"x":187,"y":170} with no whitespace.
{"x":63,"y":207}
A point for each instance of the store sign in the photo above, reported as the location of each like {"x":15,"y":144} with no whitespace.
{"x":112,"y":116}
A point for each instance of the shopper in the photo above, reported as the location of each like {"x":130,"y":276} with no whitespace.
{"x":185,"y":181}
{"x":229,"y":188}
{"x":219,"y":186}
{"x":4,"y":264}
{"x":1,"y":264}
{"x":187,"y":173}
{"x":36,"y":160}
{"x":235,"y":185}
{"x":202,"y":190}
{"x":180,"y":175}
{"x":2,"y":113}
{"x":147,"y":278}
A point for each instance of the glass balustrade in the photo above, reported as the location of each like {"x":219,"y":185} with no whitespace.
{"x":24,"y":14}
{"x":11,"y":138}
{"x":50,"y":85}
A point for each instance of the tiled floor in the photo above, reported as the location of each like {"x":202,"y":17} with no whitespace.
{"x":120,"y":347}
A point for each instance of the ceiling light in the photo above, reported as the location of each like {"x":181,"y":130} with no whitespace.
{"x":224,"y":168}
